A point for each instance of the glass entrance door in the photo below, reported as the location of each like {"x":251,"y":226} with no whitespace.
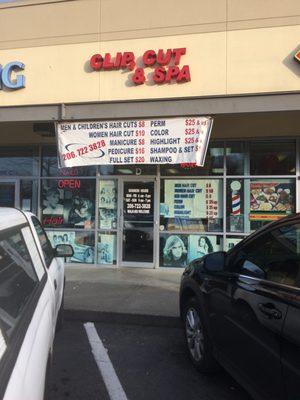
{"x":138,"y":215}
{"x":8,"y":193}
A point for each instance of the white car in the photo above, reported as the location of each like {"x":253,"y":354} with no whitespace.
{"x":31,"y":303}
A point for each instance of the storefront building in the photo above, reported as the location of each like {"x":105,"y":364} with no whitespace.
{"x":239,"y":66}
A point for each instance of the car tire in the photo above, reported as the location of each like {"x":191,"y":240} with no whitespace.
{"x":197,"y":340}
{"x":60,"y":316}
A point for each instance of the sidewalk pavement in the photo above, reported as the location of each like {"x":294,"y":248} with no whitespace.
{"x":122,"y":295}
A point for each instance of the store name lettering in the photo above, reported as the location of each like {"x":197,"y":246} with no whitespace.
{"x":165,"y":64}
{"x":7,"y":80}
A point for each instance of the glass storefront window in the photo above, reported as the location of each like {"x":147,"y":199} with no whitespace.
{"x":83,"y":244}
{"x":273,"y":158}
{"x":107,"y":248}
{"x":29,"y":195}
{"x":235,"y":206}
{"x":251,"y":203}
{"x":108,"y":203}
{"x":68,"y":203}
{"x":270,"y":200}
{"x":16,"y":161}
{"x":191,"y":205}
{"x":213,"y":164}
{"x":231,"y":241}
{"x":179,"y":249}
{"x":50,"y":165}
{"x":235,"y":158}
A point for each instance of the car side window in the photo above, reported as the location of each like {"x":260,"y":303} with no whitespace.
{"x":44,"y":241}
{"x":274,"y":256}
{"x":18,"y":279}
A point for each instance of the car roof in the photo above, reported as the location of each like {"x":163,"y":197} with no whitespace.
{"x":10,"y":217}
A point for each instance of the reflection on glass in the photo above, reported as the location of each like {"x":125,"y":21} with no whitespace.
{"x":273,"y":158}
{"x":108,"y":202}
{"x":178,"y":250}
{"x":213,"y":164}
{"x":7,"y":194}
{"x":142,"y":169}
{"x":18,"y":161}
{"x":138,"y":210}
{"x":82,"y":243}
{"x":235,"y":158}
{"x":107,"y":248}
{"x":68,"y":203}
{"x":191,"y":205}
{"x":50,"y":165}
{"x":29,"y":195}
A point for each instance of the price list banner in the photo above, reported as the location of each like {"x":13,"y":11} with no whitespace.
{"x":137,"y":141}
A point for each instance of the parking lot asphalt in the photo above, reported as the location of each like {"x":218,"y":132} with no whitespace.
{"x":150,"y":363}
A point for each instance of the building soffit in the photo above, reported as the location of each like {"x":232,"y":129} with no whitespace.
{"x":153,"y":108}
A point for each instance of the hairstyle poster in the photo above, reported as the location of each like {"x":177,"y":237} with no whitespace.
{"x":200,"y":245}
{"x":107,"y":249}
{"x":108,"y":200}
{"x":68,"y":203}
{"x":174,"y":250}
{"x":82,"y":246}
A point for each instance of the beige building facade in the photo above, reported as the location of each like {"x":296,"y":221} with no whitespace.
{"x":243,"y":71}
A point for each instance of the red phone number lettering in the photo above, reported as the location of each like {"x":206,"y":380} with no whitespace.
{"x":84,"y":150}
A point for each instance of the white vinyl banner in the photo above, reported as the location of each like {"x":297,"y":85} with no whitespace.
{"x":144,"y":141}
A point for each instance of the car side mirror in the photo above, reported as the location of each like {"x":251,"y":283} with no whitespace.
{"x":215,"y":262}
{"x":63,"y":250}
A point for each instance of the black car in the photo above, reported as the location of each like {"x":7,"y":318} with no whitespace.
{"x":241,"y":310}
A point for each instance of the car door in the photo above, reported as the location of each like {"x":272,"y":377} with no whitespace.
{"x":248,"y":306}
{"x":55,"y":266}
{"x":291,"y":338}
{"x":26,"y":309}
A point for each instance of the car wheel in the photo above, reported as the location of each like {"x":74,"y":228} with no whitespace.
{"x":197,"y":339}
{"x":60,"y":316}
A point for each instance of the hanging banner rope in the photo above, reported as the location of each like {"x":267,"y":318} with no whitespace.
{"x":137,"y":141}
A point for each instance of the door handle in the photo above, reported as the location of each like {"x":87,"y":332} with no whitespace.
{"x":55,"y":284}
{"x":270,"y":310}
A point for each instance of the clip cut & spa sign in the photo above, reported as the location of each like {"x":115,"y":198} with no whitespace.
{"x":165,"y":64}
{"x":136,"y":141}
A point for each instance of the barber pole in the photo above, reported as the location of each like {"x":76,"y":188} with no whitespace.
{"x":236,"y":203}
{"x":236,"y":197}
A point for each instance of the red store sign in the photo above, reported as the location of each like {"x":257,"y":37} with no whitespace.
{"x":165,"y":64}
